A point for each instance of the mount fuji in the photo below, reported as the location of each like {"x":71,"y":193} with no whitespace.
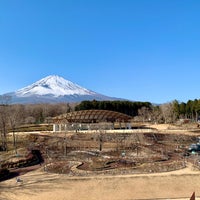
{"x":54,"y":89}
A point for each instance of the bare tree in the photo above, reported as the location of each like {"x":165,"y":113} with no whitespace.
{"x":4,"y":100}
{"x":145,"y":114}
{"x":3,"y":127}
{"x":167,"y":112}
{"x":156,"y":114}
{"x":15,"y":117}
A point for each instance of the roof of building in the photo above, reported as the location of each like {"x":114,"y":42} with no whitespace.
{"x":92,"y":116}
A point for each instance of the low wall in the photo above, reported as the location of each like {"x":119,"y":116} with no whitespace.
{"x":119,"y":131}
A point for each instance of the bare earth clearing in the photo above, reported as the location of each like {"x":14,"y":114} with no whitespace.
{"x":179,"y":184}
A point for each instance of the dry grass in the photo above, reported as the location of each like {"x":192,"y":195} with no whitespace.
{"x":39,"y":185}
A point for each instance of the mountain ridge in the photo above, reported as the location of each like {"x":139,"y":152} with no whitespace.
{"x":54,"y":89}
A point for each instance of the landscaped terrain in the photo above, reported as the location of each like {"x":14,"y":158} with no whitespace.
{"x":149,"y":163}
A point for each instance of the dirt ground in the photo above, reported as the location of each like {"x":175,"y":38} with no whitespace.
{"x":41,"y":185}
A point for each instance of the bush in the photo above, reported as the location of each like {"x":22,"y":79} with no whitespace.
{"x":4,"y":173}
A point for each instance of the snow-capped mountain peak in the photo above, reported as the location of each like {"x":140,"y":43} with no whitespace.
{"x":54,"y":89}
{"x":54,"y":86}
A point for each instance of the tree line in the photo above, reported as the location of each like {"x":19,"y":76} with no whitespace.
{"x":145,"y":111}
{"x":189,"y":110}
{"x":126,"y":107}
{"x":12,"y":116}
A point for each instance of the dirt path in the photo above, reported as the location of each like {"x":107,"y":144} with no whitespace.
{"x":41,"y":185}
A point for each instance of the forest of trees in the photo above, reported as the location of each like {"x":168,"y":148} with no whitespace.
{"x":12,"y":116}
{"x":189,"y":110}
{"x":145,"y":111}
{"x":126,"y":107}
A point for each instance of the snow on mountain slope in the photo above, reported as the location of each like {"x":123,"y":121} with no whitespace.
{"x":55,"y":86}
{"x":55,"y":89}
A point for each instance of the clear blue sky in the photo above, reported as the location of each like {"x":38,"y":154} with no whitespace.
{"x":143,"y":50}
